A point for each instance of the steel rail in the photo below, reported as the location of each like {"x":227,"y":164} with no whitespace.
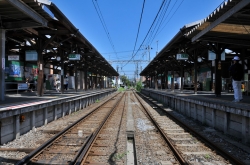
{"x":218,"y":149}
{"x":175,"y":151}
{"x":90,"y":143}
{"x":28,"y":157}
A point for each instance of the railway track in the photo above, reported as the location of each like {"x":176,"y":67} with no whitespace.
{"x":191,"y":145}
{"x":101,"y":138}
{"x":109,"y":143}
{"x":68,"y":145}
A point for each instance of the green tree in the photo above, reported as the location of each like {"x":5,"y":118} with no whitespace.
{"x":125,"y":80}
{"x":138,"y":86}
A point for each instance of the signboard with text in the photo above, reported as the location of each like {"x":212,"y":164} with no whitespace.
{"x":21,"y":86}
{"x":182,"y":56}
{"x":13,"y":57}
{"x":74,"y":56}
{"x":31,"y":55}
{"x":212,"y":56}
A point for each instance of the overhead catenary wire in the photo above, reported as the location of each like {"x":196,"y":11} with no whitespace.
{"x":158,"y":32}
{"x":170,"y":17}
{"x":147,"y":32}
{"x":98,"y":10}
{"x":159,"y":20}
{"x":139,"y":27}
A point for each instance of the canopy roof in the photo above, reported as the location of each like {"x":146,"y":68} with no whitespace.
{"x":227,"y":27}
{"x":44,"y":27}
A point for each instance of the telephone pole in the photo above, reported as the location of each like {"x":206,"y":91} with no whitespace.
{"x":149,"y":48}
{"x":156,"y":47}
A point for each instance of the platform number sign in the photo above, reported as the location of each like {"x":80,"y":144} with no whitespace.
{"x":74,"y":56}
{"x":182,"y":56}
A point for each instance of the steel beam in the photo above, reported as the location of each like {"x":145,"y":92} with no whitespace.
{"x":28,"y":11}
{"x":222,"y":18}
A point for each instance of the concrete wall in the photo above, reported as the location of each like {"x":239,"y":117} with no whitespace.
{"x":229,"y":119}
{"x":18,"y":121}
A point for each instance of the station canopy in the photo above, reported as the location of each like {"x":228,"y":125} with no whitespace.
{"x":227,"y":27}
{"x":40,"y":25}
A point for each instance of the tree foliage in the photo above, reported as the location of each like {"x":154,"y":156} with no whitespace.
{"x":125,"y":80}
{"x":138,"y":86}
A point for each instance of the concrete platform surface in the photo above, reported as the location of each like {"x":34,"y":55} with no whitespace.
{"x":24,"y":97}
{"x":29,"y":97}
{"x":209,"y":96}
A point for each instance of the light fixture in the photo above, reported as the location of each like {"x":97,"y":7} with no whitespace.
{"x":58,"y":58}
{"x":199,"y":59}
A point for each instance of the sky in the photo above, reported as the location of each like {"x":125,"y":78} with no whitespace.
{"x":129,"y":33}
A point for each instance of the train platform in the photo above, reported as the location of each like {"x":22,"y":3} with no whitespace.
{"x":209,"y":96}
{"x":27,"y":97}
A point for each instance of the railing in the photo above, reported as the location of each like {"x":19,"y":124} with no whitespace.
{"x":17,"y":86}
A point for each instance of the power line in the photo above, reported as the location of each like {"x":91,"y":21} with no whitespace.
{"x":162,"y":14}
{"x":97,"y":8}
{"x":138,"y":27}
{"x":171,"y":16}
{"x":160,"y":22}
{"x":123,"y":61}
{"x":120,"y":52}
{"x":147,"y":33}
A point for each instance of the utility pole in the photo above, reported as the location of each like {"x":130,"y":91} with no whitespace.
{"x":156,"y":47}
{"x":148,"y":52}
{"x":137,"y":70}
{"x":141,"y":76}
{"x":117,"y":68}
{"x":148,"y":48}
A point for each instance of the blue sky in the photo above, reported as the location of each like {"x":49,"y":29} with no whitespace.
{"x":115,"y":37}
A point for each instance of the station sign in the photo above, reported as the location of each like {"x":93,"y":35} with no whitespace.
{"x":23,"y":86}
{"x":31,"y":55}
{"x":212,"y":56}
{"x":74,"y":56}
{"x":13,"y":57}
{"x":182,"y":56}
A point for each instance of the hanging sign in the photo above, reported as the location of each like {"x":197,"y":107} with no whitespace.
{"x":74,"y":56}
{"x":212,"y":56}
{"x":13,"y":57}
{"x":31,"y":55}
{"x":182,"y":56}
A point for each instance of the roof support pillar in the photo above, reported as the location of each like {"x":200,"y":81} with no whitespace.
{"x":172,"y":81}
{"x":150,"y":82}
{"x":86,"y":78}
{"x":95,"y":80}
{"x":182,"y":78}
{"x":81,"y":79}
{"x":195,"y":73}
{"x":2,"y":64}
{"x":40,"y":65}
{"x":101,"y":80}
{"x":162,"y":80}
{"x":243,"y":57}
{"x":218,"y":50}
{"x":62,"y":53}
{"x":156,"y":80}
{"x":75,"y":76}
{"x":166,"y":78}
